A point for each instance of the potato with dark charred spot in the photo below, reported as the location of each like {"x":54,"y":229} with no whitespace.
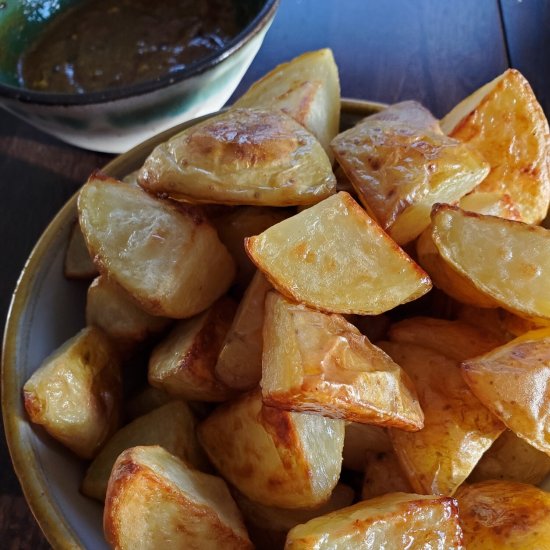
{"x":183,"y":363}
{"x":395,"y":520}
{"x":334,"y":257}
{"x":154,"y":500}
{"x":504,"y":515}
{"x":318,"y":362}
{"x":154,"y":248}
{"x":278,"y":458}
{"x":76,"y":393}
{"x":242,"y":156}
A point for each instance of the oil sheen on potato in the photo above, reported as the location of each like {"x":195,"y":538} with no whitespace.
{"x":101,"y":44}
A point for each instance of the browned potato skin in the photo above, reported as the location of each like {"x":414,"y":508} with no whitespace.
{"x":455,"y":339}
{"x":171,"y":426}
{"x":383,"y":474}
{"x":78,"y":264}
{"x":109,"y":307}
{"x":502,"y":515}
{"x":458,"y":429}
{"x":395,"y":520}
{"x":76,"y":393}
{"x":277,"y":458}
{"x":508,"y":126}
{"x":513,"y":459}
{"x":513,"y":382}
{"x":239,"y":363}
{"x":242,"y":156}
{"x":400,"y":164}
{"x":155,"y":256}
{"x":492,"y":204}
{"x":359,"y":269}
{"x":155,"y":501}
{"x":183,"y":363}
{"x":307,"y":88}
{"x":320,"y":363}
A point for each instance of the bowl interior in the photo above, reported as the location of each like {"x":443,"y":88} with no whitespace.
{"x":21,"y":21}
{"x":46,"y":310}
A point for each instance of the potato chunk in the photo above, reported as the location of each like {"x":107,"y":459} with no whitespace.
{"x":454,"y":339}
{"x":506,"y":124}
{"x":154,"y":500}
{"x":167,"y":256}
{"x":396,"y":520}
{"x":239,"y":364}
{"x":458,"y":429}
{"x":506,"y":262}
{"x":401,"y":164}
{"x":110,"y":308}
{"x":491,"y":204}
{"x":501,"y":515}
{"x":183,"y":363}
{"x":513,"y":381}
{"x":335,"y":258}
{"x":317,"y":362}
{"x":361,"y":439}
{"x":288,"y":460}
{"x":76,"y":393}
{"x":242,"y":156}
{"x":306,"y":88}
{"x":513,"y":459}
{"x":171,"y":426}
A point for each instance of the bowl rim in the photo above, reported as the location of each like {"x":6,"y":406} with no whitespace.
{"x":261,"y":20}
{"x":25,"y":462}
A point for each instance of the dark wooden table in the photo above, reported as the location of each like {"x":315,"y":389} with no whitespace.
{"x":434,"y":51}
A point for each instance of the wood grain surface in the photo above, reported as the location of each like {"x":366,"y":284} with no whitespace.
{"x":435,"y":51}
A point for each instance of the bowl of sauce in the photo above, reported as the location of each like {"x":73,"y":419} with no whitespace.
{"x":107,"y":74}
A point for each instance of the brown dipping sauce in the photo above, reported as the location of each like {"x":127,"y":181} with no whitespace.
{"x":101,"y":44}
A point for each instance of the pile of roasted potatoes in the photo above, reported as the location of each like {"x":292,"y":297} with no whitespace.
{"x":308,"y":388}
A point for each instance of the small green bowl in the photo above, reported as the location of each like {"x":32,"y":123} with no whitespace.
{"x":116,"y":119}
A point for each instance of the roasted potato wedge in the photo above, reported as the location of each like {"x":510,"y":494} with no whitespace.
{"x":154,"y":248}
{"x":243,"y":222}
{"x":361,"y":439}
{"x":396,"y":520}
{"x":306,"y":88}
{"x":109,"y":307}
{"x":458,"y":429}
{"x":242,"y":156}
{"x":78,"y":264}
{"x":454,"y":339}
{"x":504,"y":515}
{"x":383,"y":474}
{"x":513,"y":381}
{"x":445,"y":278}
{"x":268,"y":525}
{"x":506,"y":124}
{"x":491,"y":204}
{"x":154,"y":500}
{"x":490,"y":320}
{"x":400,"y":165}
{"x":318,"y":362}
{"x":277,"y":458}
{"x":335,"y":258}
{"x":172,"y":426}
{"x":513,"y":459}
{"x":183,"y":363}
{"x":144,"y":401}
{"x":76,"y":393}
{"x":507,"y":262}
{"x":239,"y":364}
